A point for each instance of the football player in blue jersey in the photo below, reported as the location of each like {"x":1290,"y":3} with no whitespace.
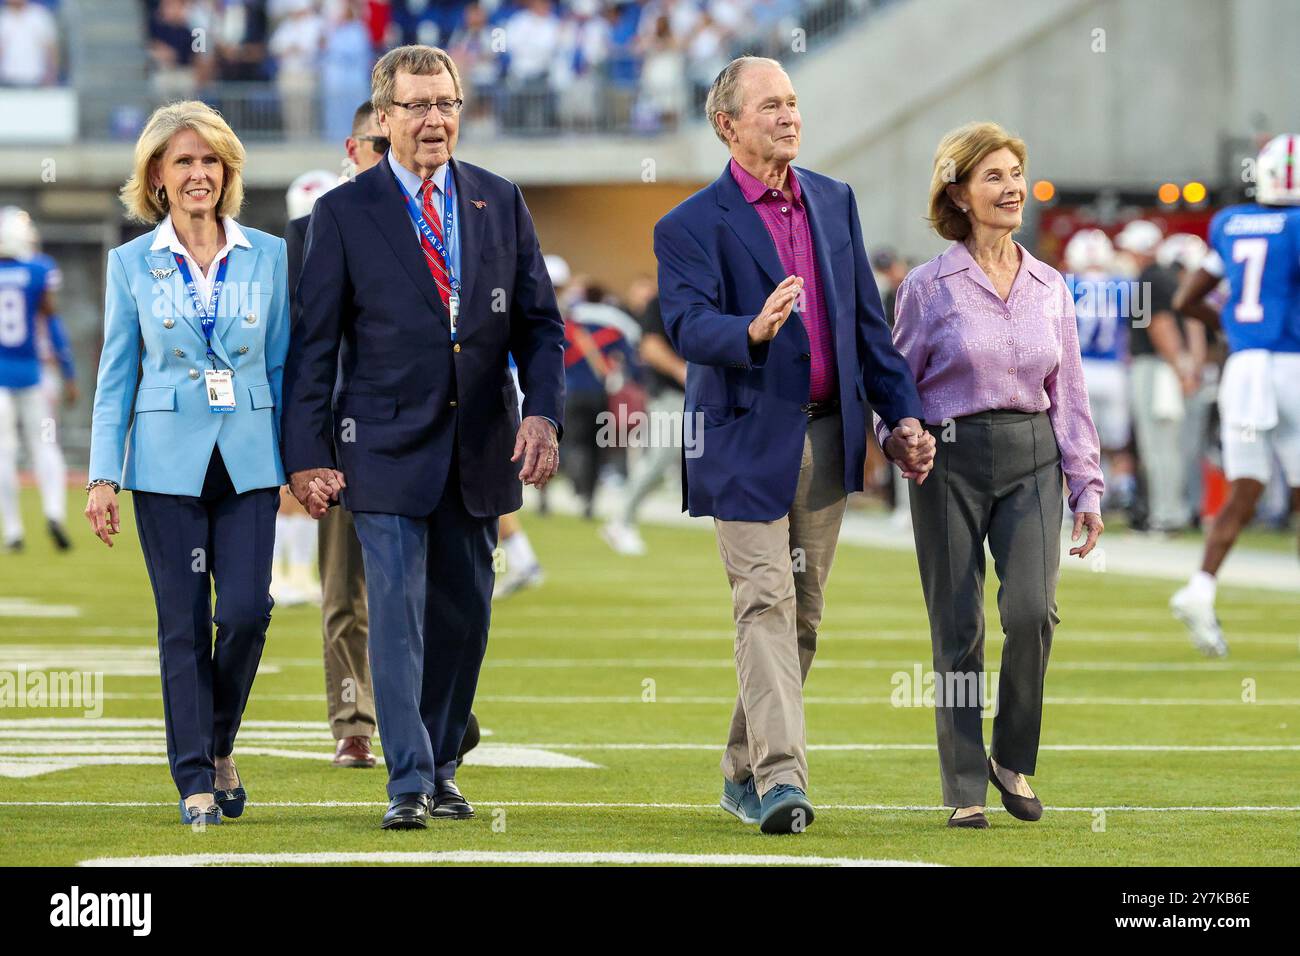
{"x":27,"y":288}
{"x":1255,"y":247}
{"x":1100,"y":307}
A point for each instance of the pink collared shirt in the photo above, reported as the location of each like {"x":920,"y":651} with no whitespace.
{"x":787,"y":224}
{"x":971,"y":352}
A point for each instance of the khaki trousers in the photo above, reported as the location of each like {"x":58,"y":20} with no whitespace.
{"x":350,"y":695}
{"x":778,"y":570}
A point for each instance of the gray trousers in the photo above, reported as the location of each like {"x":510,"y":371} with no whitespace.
{"x":996,"y":478}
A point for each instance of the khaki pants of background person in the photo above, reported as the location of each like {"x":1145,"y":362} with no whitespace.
{"x":345,"y":625}
{"x":777,"y":571}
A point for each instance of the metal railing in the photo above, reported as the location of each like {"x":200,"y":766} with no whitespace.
{"x":612,"y":100}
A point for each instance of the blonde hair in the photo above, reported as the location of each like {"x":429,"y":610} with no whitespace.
{"x":959,"y":152}
{"x":138,"y":195}
{"x":415,"y":59}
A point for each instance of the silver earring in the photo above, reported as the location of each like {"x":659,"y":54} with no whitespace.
{"x":161,"y":195}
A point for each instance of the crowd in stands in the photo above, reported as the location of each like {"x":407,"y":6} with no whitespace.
{"x":527,"y":65}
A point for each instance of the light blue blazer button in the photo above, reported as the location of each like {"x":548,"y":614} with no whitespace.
{"x":243,"y":350}
{"x":194,"y":373}
{"x":168,"y":323}
{"x":179,"y":353}
{"x":251,"y":318}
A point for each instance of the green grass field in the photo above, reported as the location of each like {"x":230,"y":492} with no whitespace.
{"x":568,"y":669}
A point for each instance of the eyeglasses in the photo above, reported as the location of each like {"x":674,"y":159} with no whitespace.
{"x":379,"y":144}
{"x":420,"y":110}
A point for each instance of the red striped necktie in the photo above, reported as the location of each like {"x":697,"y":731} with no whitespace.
{"x":437,"y":265}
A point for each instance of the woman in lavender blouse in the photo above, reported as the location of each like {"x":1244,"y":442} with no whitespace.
{"x":989,"y":333}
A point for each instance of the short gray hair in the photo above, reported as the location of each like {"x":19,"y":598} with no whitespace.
{"x":414,"y":59}
{"x":724,"y":94}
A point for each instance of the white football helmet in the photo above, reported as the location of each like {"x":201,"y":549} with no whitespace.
{"x":1182,"y":249}
{"x":1089,"y":250}
{"x":1277,"y":172}
{"x":306,"y":189}
{"x":1140,"y":237}
{"x":18,"y":239}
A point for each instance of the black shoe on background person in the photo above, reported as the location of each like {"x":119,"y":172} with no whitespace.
{"x":1028,"y":809}
{"x":60,"y":536}
{"x":447,"y":802}
{"x":407,"y":811}
{"x":470,"y":740}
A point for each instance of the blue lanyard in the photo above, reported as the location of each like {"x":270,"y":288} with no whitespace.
{"x":207,"y":316}
{"x":449,"y":220}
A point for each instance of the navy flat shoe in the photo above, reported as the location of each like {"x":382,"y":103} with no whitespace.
{"x":190,"y":816}
{"x":231,"y":802}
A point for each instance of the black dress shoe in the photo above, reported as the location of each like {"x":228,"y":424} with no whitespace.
{"x":407,"y":811}
{"x":975,"y":821}
{"x":448,"y":803}
{"x":1028,"y":809}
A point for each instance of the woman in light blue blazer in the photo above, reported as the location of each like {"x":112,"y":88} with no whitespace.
{"x":187,"y":416}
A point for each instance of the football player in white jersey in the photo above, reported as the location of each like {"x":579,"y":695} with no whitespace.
{"x":1255,"y":247}
{"x":27,"y":291}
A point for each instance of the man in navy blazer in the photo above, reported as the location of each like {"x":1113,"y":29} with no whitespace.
{"x":419,"y":278}
{"x":767,"y":293}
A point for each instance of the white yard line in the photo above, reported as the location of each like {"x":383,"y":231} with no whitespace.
{"x":535,"y":857}
{"x":612,"y":805}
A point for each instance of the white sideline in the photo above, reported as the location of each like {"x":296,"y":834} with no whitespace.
{"x":492,"y":856}
{"x":610,"y":805}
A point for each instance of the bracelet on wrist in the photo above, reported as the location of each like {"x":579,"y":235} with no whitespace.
{"x":103,"y":481}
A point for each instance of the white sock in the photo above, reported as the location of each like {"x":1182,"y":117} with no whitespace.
{"x":1203,"y":585}
{"x":519,"y":552}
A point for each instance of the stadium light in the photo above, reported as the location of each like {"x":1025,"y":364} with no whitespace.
{"x":1044,"y":190}
{"x":1194,"y":192}
{"x":1168,"y":193}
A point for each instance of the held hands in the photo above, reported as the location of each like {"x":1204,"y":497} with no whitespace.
{"x":775,"y":310}
{"x":537,"y":444}
{"x":101,"y":512}
{"x":315,"y":488}
{"x":1092,"y":521}
{"x":912,"y":448}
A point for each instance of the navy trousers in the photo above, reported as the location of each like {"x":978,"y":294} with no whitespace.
{"x":190,"y":544}
{"x":429,"y":590}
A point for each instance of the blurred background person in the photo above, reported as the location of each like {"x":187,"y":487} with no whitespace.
{"x":173,"y":59}
{"x":665,"y":384}
{"x":1182,"y":254}
{"x":296,"y":45}
{"x":1161,"y":373}
{"x":29,"y":44}
{"x":1100,"y":300}
{"x":600,"y":343}
{"x":346,"y":60}
{"x":28,"y":286}
{"x":185,"y":311}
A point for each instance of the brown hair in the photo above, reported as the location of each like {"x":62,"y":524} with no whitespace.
{"x":415,"y":59}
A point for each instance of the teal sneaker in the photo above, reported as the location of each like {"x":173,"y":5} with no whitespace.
{"x":785,"y":809}
{"x":740,"y":800}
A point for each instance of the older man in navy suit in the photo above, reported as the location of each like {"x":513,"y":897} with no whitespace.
{"x":419,"y":278}
{"x":767,"y":293}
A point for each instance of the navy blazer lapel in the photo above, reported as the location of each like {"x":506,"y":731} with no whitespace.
{"x":389,"y":212}
{"x":748,"y":227}
{"x":815,"y":208}
{"x":470,"y":223}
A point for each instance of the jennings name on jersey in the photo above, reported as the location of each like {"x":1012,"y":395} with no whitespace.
{"x":1257,"y":249}
{"x":23,"y":284}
